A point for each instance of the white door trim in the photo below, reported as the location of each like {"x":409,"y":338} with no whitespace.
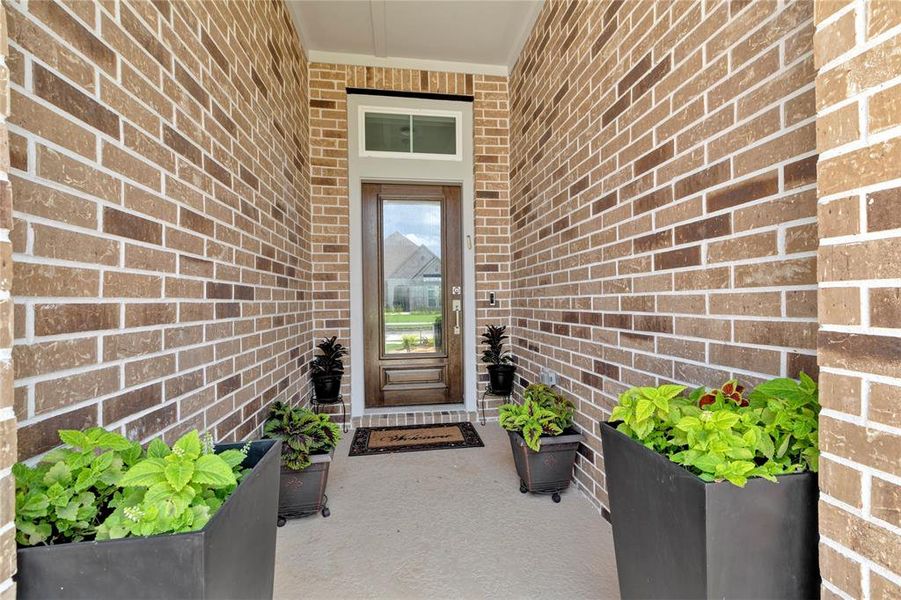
{"x":384,"y":170}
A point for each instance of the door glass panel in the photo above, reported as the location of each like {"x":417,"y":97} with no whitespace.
{"x":412,"y":276}
{"x":386,"y":132}
{"x":434,"y":135}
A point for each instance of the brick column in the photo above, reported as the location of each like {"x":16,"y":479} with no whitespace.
{"x":858,"y":53}
{"x":7,"y":416}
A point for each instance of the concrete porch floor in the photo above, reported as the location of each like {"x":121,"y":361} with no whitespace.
{"x":444,"y":524}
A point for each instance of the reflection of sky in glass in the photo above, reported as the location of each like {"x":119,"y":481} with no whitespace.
{"x":419,"y":221}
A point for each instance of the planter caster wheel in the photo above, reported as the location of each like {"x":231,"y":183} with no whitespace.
{"x":325,"y":511}
{"x":555,"y":497}
{"x":280,"y":521}
{"x":522,"y":488}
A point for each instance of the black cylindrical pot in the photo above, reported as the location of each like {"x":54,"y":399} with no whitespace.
{"x":327,"y":387}
{"x":500,"y":379}
{"x":707,"y":540}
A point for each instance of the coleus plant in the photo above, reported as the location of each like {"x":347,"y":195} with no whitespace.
{"x":172,"y":489}
{"x":101,"y":485}
{"x":65,"y":496}
{"x":731,"y":390}
{"x":723,"y":435}
{"x":302,"y":433}
{"x":543,"y":412}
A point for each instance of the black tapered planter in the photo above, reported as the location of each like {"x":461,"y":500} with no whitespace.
{"x":233,"y":556}
{"x":302,"y":493}
{"x":500,"y":379}
{"x":327,"y":387}
{"x":550,"y":469}
{"x":676,"y":536}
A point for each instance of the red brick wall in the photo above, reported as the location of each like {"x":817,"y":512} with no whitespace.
{"x":331,"y":210}
{"x":663,"y":199}
{"x":858,"y":54}
{"x":161,"y":230}
{"x":7,"y":416}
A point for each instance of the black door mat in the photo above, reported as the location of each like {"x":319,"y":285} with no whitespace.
{"x":412,"y":438}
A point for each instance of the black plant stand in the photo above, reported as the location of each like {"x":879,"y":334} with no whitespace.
{"x":317,"y":405}
{"x":489,"y":392}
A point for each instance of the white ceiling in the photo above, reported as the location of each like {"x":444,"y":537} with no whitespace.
{"x":477,"y":36}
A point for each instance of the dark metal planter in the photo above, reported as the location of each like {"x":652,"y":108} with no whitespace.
{"x":327,"y":387}
{"x":302,"y":493}
{"x":500,"y":379}
{"x":233,"y":556}
{"x":676,"y":536}
{"x":549,"y":470}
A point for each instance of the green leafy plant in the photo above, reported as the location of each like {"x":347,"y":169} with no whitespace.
{"x":493,"y":338}
{"x":543,"y":412}
{"x":101,"y":485}
{"x":723,"y":435}
{"x":328,"y":362}
{"x":409,"y":341}
{"x":302,"y":433}
{"x":646,"y":412}
{"x":173,"y":489}
{"x":65,"y":496}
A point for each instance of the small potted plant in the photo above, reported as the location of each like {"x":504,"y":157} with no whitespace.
{"x":717,"y":489}
{"x":543,"y":440}
{"x":307,"y":443}
{"x":102,"y":517}
{"x":500,"y":367}
{"x":327,"y":369}
{"x":438,"y":331}
{"x":409,"y":342}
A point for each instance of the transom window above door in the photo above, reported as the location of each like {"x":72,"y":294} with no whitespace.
{"x":410,"y":133}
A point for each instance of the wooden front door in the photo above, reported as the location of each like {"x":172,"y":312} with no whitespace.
{"x":413,"y":294}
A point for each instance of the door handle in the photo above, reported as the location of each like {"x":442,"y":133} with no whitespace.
{"x":457,"y":306}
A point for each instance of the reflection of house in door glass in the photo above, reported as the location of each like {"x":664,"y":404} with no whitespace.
{"x":412,"y":275}
{"x":411,"y":263}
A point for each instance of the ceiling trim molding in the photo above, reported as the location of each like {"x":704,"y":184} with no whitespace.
{"x":395,"y":62}
{"x":524,"y":36}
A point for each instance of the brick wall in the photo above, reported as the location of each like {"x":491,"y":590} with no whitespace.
{"x":330,"y":200}
{"x":858,"y":55}
{"x":161,"y":228}
{"x":663,"y":199}
{"x":7,"y":416}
